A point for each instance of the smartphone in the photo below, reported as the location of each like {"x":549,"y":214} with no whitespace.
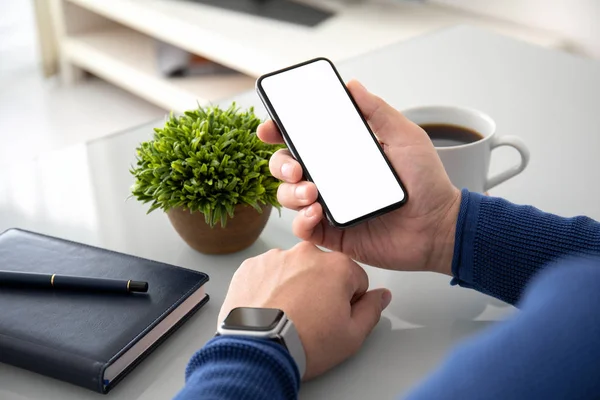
{"x":324,"y":130}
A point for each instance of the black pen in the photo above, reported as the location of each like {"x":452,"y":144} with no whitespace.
{"x":67,"y":282}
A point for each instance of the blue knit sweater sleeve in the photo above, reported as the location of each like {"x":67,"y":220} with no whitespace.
{"x":549,"y":350}
{"x":500,"y":246}
{"x":233,"y":368}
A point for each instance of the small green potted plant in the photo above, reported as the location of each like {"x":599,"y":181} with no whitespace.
{"x":209,"y":172}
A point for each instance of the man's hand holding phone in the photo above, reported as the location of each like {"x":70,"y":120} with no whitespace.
{"x":417,"y":237}
{"x":326,"y":293}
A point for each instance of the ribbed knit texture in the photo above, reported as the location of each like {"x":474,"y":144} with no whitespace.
{"x":234,"y":368}
{"x":500,"y":246}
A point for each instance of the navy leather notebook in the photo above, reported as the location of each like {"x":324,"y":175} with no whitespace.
{"x":88,"y":339}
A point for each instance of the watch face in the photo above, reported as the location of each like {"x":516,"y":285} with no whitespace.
{"x":252,"y":319}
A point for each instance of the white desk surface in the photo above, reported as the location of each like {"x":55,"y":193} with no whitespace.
{"x":548,"y":98}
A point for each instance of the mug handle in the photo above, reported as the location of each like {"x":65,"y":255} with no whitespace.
{"x":516,"y":143}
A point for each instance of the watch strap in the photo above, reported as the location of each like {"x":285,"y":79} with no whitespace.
{"x":293,"y":344}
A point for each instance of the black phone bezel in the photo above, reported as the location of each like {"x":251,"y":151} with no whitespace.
{"x":273,"y":114}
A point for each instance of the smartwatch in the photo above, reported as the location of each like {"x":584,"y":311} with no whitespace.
{"x":265,"y":323}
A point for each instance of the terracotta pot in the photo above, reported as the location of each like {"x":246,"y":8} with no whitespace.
{"x":241,"y":231}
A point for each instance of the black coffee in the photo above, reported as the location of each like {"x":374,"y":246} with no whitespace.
{"x":444,"y":135}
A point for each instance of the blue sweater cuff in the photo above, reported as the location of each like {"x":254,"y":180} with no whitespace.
{"x":233,"y":367}
{"x":466,"y":229}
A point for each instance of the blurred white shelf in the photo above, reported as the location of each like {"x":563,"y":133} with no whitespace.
{"x":123,"y":53}
{"x":127,"y":59}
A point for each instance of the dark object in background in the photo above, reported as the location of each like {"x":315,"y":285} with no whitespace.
{"x":174,"y":62}
{"x":281,"y":10}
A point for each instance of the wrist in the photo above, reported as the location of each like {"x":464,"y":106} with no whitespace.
{"x":269,"y":324}
{"x":444,"y":237}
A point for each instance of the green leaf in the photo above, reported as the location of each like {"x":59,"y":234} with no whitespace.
{"x":206,"y":160}
{"x":189,"y":188}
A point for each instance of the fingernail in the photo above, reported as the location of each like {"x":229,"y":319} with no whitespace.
{"x":309,"y":212}
{"x":286,"y":171}
{"x":300,"y":192}
{"x":386,"y":299}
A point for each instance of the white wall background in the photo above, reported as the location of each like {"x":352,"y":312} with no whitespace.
{"x":576,"y":20}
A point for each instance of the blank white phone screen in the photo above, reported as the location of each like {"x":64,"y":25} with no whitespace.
{"x":332,"y":141}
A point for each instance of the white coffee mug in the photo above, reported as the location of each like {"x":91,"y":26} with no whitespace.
{"x":468,"y":164}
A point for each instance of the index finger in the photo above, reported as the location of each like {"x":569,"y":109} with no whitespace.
{"x":268,"y":133}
